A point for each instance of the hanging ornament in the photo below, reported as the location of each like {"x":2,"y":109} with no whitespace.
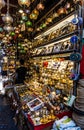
{"x":38,"y":29}
{"x":28,"y":23}
{"x":67,"y":6}
{"x":24,"y":3}
{"x":2,"y":4}
{"x":33,"y":16}
{"x":8,"y":28}
{"x":35,"y":12}
{"x":21,"y":21}
{"x":17,"y":30}
{"x":43,"y":25}
{"x":24,"y":17}
{"x":20,"y":35}
{"x":7,"y":19}
{"x":12,"y":33}
{"x":61,"y":11}
{"x":30,"y":29}
{"x":49,"y":20}
{"x":40,"y":6}
{"x":1,"y":29}
{"x":55,"y":15}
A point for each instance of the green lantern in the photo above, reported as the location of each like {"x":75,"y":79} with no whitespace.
{"x":43,"y":25}
{"x":28,"y":23}
{"x":1,"y":29}
{"x":19,"y":44}
{"x":21,"y":21}
{"x":12,"y":33}
{"x":24,"y":18}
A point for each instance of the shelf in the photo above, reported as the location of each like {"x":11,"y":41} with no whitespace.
{"x":54,"y":26}
{"x":57,"y":54}
{"x":57,"y":39}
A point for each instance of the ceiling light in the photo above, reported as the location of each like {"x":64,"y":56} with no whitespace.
{"x":40,"y":6}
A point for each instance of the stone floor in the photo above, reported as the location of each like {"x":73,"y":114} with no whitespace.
{"x":6,"y":115}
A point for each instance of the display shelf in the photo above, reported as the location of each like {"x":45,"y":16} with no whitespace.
{"x":53,"y":26}
{"x":57,"y":39}
{"x":57,"y":54}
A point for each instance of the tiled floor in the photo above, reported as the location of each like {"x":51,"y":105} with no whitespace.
{"x":6,"y":115}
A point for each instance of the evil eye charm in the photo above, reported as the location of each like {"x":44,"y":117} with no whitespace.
{"x":75,"y":21}
{"x":75,"y":57}
{"x":74,"y":76}
{"x":74,"y":39}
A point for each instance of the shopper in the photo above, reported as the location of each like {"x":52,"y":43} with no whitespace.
{"x":21,"y":73}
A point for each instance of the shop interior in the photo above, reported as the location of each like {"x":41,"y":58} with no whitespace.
{"x":42,"y":64}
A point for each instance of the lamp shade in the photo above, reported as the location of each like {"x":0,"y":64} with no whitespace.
{"x":24,"y":2}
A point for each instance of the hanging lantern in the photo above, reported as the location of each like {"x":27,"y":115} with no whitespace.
{"x":12,"y":33}
{"x":1,"y":29}
{"x":21,"y":21}
{"x":55,"y":15}
{"x":17,"y":30}
{"x":67,"y":6}
{"x":40,"y":6}
{"x":20,"y":35}
{"x":38,"y":29}
{"x":33,"y":16}
{"x":36,"y":12}
{"x":24,"y":2}
{"x":30,"y":29}
{"x":24,"y":17}
{"x":49,"y":20}
{"x":61,"y":11}
{"x":28,"y":23}
{"x":42,"y":26}
{"x":2,"y":4}
{"x":7,"y":18}
{"x":8,"y":28}
{"x":46,"y":22}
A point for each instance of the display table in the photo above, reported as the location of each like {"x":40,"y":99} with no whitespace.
{"x":46,"y":126}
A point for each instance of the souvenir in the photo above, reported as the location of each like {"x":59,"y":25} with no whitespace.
{"x":75,"y":21}
{"x":76,"y":57}
{"x":74,"y":39}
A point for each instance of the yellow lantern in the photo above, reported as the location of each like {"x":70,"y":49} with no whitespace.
{"x":49,"y":20}
{"x":30,"y":29}
{"x":36,"y":12}
{"x":33,"y":16}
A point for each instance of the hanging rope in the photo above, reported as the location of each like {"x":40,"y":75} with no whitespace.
{"x":7,"y":6}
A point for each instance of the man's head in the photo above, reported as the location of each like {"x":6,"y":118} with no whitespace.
{"x":21,"y":61}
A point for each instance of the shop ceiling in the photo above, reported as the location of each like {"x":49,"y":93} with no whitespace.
{"x":37,"y":23}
